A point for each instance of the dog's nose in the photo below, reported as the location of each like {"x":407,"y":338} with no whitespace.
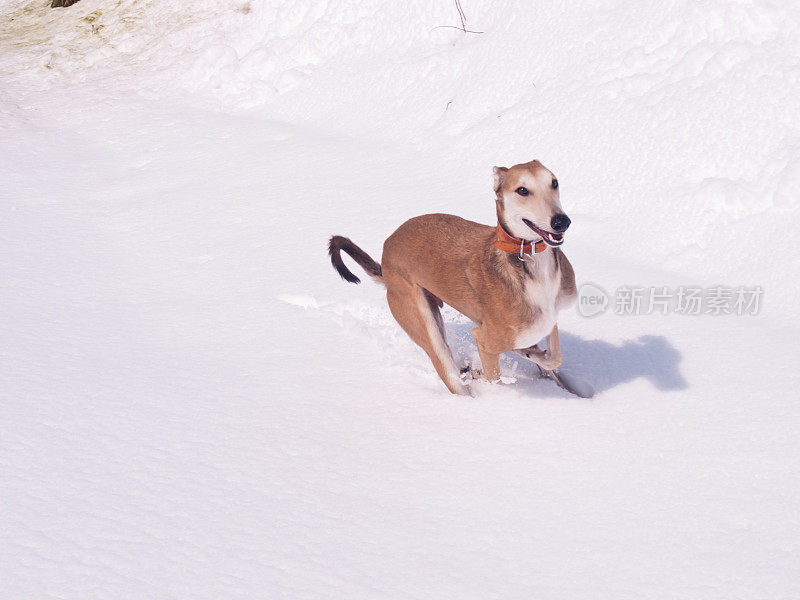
{"x":559,"y":223}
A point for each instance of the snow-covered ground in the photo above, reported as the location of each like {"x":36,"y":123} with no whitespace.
{"x":194,"y":405}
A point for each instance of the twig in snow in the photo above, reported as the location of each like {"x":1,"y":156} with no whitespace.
{"x":454,"y":27}
{"x":463,"y":19}
{"x":461,"y":15}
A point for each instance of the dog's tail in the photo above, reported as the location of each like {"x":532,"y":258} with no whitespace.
{"x":339,"y":244}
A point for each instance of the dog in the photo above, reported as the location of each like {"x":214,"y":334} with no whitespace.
{"x":510,"y":280}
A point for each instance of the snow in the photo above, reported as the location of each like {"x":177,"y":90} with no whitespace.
{"x":195,"y":405}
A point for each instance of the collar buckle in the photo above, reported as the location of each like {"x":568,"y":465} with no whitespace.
{"x":522,"y":255}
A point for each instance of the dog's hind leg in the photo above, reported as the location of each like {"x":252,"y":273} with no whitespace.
{"x":417,"y":311}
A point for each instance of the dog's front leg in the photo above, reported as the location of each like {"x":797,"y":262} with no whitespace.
{"x":554,"y":348}
{"x":549,"y":359}
{"x":490,"y":361}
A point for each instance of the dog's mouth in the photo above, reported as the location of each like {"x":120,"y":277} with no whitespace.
{"x":550,"y":238}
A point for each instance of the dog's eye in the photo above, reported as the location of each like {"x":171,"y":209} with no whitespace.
{"x":555,"y":184}
{"x":522,"y":191}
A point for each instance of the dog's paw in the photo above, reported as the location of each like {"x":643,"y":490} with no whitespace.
{"x":468,"y":373}
{"x":548,"y":362}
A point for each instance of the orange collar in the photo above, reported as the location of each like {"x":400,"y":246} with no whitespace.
{"x":508,"y":243}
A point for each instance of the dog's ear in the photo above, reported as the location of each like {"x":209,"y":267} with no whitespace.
{"x":499,"y":174}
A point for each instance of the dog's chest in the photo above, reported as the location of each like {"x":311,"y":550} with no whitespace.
{"x":541,"y":290}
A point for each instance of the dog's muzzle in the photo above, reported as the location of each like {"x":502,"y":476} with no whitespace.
{"x":550,"y":238}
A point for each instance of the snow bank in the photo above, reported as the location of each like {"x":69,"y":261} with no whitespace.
{"x":669,"y":123}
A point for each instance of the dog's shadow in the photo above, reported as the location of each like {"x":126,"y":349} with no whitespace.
{"x":602,"y":364}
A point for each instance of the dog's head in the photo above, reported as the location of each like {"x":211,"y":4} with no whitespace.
{"x":528,"y":203}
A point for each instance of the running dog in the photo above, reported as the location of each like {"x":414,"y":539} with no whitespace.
{"x":511,"y":280}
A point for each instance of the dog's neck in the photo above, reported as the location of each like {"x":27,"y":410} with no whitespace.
{"x":513,"y":245}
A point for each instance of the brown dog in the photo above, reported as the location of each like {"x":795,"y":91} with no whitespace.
{"x":510,"y":280}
